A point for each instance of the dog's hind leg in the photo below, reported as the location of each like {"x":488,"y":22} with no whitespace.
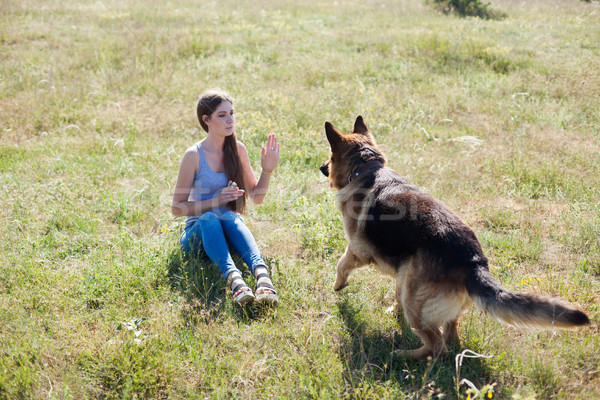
{"x":429,"y":331}
{"x":433,"y":345}
{"x":451,"y":327}
{"x":432,"y":310}
{"x":347,"y":263}
{"x":451,"y":332}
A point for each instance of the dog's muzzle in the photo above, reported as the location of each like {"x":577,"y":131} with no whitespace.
{"x":325,"y":169}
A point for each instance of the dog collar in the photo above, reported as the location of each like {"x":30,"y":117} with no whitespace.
{"x":365,"y":167}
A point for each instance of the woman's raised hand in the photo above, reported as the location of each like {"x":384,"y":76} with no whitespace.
{"x":270,"y":156}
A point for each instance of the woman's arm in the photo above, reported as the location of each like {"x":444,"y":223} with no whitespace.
{"x":181,"y":206}
{"x":269,"y":159}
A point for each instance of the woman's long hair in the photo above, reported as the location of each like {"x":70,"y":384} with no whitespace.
{"x":208,"y":103}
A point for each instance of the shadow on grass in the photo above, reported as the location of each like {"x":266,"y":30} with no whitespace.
{"x":199,"y":281}
{"x":370,"y":363}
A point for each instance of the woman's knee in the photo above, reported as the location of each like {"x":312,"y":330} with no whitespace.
{"x":208,"y":216}
{"x":232,"y":221}
{"x":230,"y":216}
{"x":209,"y":223}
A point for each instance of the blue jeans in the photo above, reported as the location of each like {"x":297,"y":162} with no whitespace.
{"x":214,"y":233}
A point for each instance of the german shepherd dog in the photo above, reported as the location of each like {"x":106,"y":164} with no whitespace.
{"x":435,"y":258}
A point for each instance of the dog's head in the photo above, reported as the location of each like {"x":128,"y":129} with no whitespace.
{"x":349,"y":152}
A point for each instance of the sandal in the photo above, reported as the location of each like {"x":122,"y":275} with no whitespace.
{"x":265,"y":292}
{"x":242,"y":294}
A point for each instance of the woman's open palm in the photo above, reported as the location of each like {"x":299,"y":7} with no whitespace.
{"x":270,"y":156}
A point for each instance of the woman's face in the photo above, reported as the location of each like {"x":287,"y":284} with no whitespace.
{"x":221,"y":122}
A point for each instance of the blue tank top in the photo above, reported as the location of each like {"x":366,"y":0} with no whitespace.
{"x":207,"y":184}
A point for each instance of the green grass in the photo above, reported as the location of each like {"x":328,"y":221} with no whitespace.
{"x":498,"y":118}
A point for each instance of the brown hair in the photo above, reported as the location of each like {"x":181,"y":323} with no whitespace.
{"x":209,"y":101}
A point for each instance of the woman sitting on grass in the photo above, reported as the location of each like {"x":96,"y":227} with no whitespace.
{"x":214,"y":179}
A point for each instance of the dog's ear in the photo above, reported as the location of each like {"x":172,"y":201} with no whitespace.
{"x":333,"y":135}
{"x":360,"y":126}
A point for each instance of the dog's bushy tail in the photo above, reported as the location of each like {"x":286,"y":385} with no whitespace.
{"x":521,"y":310}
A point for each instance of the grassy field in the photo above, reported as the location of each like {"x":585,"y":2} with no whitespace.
{"x":500,"y":119}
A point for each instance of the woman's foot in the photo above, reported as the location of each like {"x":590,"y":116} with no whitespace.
{"x":265,"y":292}
{"x":242,"y":294}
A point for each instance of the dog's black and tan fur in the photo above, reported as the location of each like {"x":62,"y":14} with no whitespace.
{"x":434,"y":257}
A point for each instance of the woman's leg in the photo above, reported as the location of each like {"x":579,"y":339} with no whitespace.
{"x":241,"y":239}
{"x":215,"y":245}
{"x":244,"y":244}
{"x":207,"y":231}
